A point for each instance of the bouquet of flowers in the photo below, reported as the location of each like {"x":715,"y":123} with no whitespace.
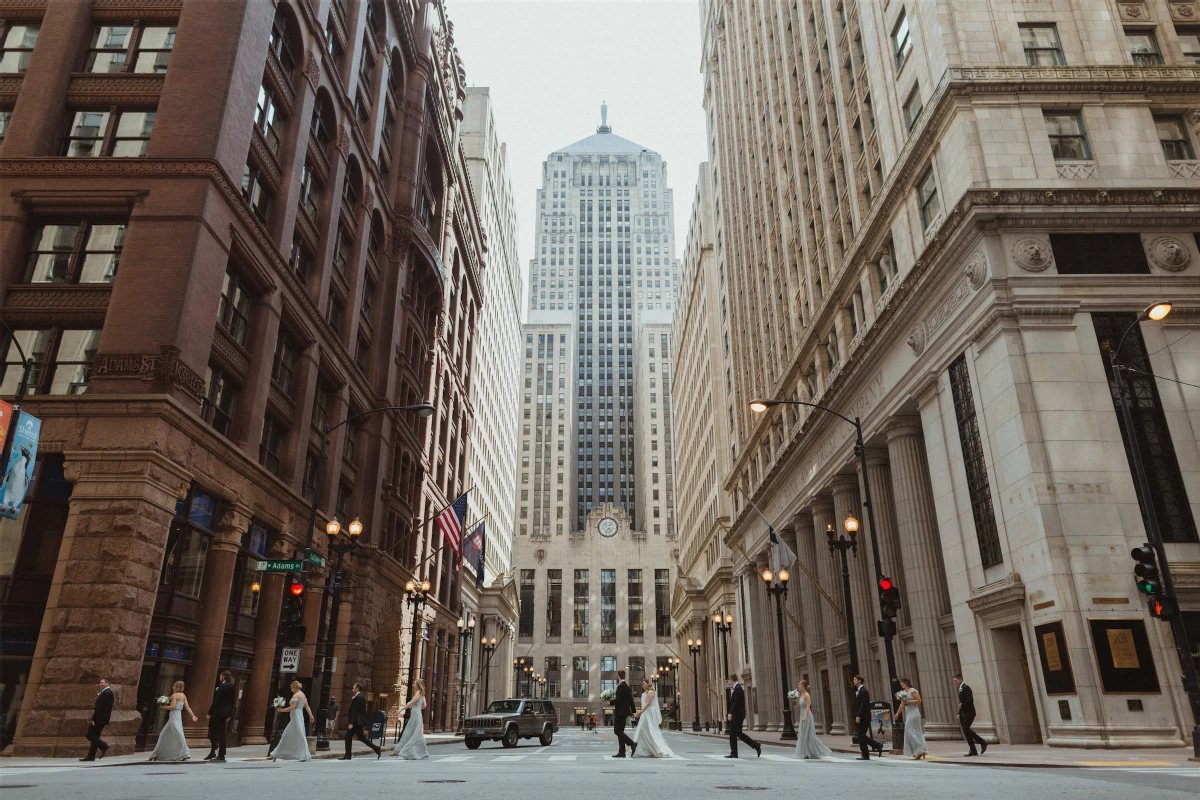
{"x":901,"y":695}
{"x":164,"y":700}
{"x":794,"y":694}
{"x":607,"y":695}
{"x":279,"y":702}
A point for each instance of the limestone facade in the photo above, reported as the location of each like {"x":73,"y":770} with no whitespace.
{"x":937,"y":217}
{"x":286,"y":194}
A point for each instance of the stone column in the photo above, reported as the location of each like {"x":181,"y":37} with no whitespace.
{"x":810,"y":598}
{"x":201,"y":676}
{"x":827,"y":571}
{"x":924,"y":573}
{"x":846,"y":502}
{"x":890,"y":558}
{"x":266,"y":630}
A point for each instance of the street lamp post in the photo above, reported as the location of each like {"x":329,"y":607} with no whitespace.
{"x":341,"y":547}
{"x":466,"y":630}
{"x":694,"y":649}
{"x":417,"y":594}
{"x":488,"y":647}
{"x":1191,"y":682}
{"x":518,"y":668}
{"x":886,"y":628}
{"x":723,"y":630}
{"x":840,"y":544}
{"x":778,"y":590}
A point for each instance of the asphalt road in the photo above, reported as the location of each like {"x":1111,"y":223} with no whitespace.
{"x":579,"y":764}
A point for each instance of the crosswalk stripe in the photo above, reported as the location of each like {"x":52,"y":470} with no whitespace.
{"x":563,"y":758}
{"x":779,"y":758}
{"x":507,"y":758}
{"x":454,"y":758}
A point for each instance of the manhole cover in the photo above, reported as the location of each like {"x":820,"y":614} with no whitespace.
{"x":444,"y":780}
{"x":742,"y":788}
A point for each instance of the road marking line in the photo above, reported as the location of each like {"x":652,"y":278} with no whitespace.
{"x":563,"y":758}
{"x":1125,"y":763}
{"x":779,"y":758}
{"x":454,"y":758}
{"x":508,"y":758}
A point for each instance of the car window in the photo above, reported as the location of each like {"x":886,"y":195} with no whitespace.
{"x":504,"y":707}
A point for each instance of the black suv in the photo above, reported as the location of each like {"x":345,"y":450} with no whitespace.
{"x":506,"y":721}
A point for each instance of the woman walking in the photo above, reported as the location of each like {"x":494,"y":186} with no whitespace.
{"x":914,"y":727}
{"x":648,"y":735}
{"x":807,"y":744}
{"x":172,"y":746}
{"x":411,"y":744}
{"x":293,"y":743}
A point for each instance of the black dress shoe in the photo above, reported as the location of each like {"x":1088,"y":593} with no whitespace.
{"x":972,"y":753}
{"x":879,"y":752}
{"x":210,"y":756}
{"x":983,"y":748}
{"x":731,"y":755}
{"x":378,"y":753}
{"x":343,"y":758}
{"x":863,"y":758}
{"x":758,"y":749}
{"x":618,"y":755}
{"x":632,"y":750}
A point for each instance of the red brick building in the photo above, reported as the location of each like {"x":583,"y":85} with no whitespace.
{"x":227,"y":224}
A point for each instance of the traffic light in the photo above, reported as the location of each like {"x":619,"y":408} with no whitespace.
{"x":889,"y":598}
{"x":1162,"y":608}
{"x":292,"y":614}
{"x":1146,"y":570}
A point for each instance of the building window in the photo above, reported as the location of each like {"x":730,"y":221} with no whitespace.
{"x":321,"y":403}
{"x":526,"y":599}
{"x":216,"y":407}
{"x":553,"y":606}
{"x":267,"y":118}
{"x":581,"y":604}
{"x":1068,"y":140}
{"x":662,"y":603}
{"x":130,"y":48}
{"x":300,"y":259}
{"x":1172,"y":133}
{"x":309,"y":481}
{"x":256,"y":192}
{"x":579,"y":688}
{"x":984,"y":514}
{"x":278,"y":44}
{"x":1168,"y":501}
{"x":608,"y":605}
{"x":62,"y":361}
{"x":233,"y":311}
{"x":1042,"y":45}
{"x":187,"y":544}
{"x":901,"y":39}
{"x":270,"y":444}
{"x":1189,"y":42}
{"x":5,"y":119}
{"x":636,"y":622}
{"x":912,"y":107}
{"x":283,"y":369}
{"x":1143,"y":47}
{"x":334,"y":312}
{"x":123,"y":134}
{"x":16,"y":47}
{"x":927,"y":198}
{"x":82,"y":252}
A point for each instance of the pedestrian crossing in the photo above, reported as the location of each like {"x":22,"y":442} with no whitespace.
{"x":574,"y":758}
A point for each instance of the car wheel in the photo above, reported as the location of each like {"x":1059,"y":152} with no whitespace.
{"x":510,"y":737}
{"x":472,"y":744}
{"x":547,"y":736}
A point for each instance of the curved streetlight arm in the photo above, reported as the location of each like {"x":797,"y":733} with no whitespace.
{"x":770,"y":403}
{"x":1144,"y":314}
{"x":418,"y":408}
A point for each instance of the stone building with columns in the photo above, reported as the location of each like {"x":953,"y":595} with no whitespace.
{"x":949,"y":216}
{"x":207,"y":271}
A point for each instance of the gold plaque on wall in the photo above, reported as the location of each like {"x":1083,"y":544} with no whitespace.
{"x":1124,"y":651}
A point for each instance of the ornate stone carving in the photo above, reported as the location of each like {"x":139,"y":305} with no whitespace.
{"x":916,"y":339}
{"x":1077,"y":170}
{"x":1184,"y":12}
{"x":343,"y":141}
{"x":312,"y":70}
{"x":1032,"y":255}
{"x":164,"y":368}
{"x":1169,"y":253}
{"x":1183,"y":169}
{"x":1133,"y":11}
{"x":976,"y":269}
{"x":128,"y":89}
{"x":368,"y":198}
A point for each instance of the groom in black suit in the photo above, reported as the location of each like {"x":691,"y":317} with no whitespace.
{"x":219,"y":713}
{"x":966,"y":716}
{"x":357,"y":726}
{"x":737,"y":716}
{"x":623,"y":710}
{"x":101,"y":714}
{"x":862,"y":720}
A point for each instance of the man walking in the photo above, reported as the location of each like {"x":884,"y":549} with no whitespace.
{"x":357,"y":714}
{"x":219,"y":712}
{"x":101,"y":713}
{"x":331,"y":715}
{"x":622,"y":710}
{"x":966,"y":717}
{"x":862,"y":720}
{"x":736,"y":717}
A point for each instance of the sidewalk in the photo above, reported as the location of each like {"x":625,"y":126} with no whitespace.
{"x":258,"y":752}
{"x":1004,"y":755}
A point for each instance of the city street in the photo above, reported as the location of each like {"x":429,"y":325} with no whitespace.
{"x":579,"y":760}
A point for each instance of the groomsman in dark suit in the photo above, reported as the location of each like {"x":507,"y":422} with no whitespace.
{"x":358,"y":721}
{"x":101,"y":714}
{"x":736,"y":717}
{"x":219,"y":712}
{"x":862,"y":720}
{"x":622,"y":710}
{"x":966,"y":716}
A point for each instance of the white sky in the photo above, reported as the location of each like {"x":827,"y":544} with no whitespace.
{"x":549,"y":64}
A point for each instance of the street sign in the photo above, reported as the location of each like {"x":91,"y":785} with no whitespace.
{"x":279,"y":566}
{"x":316,"y":558}
{"x":290,"y":660}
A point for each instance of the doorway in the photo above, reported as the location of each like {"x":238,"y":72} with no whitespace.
{"x":1015,"y":701}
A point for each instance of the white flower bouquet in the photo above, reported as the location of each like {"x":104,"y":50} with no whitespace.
{"x":279,"y":702}
{"x":901,"y":695}
{"x":794,"y":694}
{"x":164,"y":700}
{"x":607,"y":695}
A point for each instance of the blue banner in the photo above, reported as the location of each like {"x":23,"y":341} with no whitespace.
{"x":19,"y":472}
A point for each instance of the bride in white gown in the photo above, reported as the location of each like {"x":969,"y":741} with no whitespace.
{"x":648,"y":736}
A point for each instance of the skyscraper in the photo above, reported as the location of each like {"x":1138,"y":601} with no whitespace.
{"x":595,"y":481}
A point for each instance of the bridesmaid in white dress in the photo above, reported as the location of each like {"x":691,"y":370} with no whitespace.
{"x":648,"y":734}
{"x":172,"y":745}
{"x":807,"y":743}
{"x":411,"y":744}
{"x":914,"y":726}
{"x":293,"y":743}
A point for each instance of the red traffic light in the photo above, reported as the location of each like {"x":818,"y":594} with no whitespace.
{"x":297,"y":588}
{"x":885,"y":584}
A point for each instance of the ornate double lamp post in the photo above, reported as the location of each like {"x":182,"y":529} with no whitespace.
{"x":778,"y":590}
{"x":466,"y":630}
{"x":341,"y":546}
{"x":694,"y":649}
{"x":417,"y":595}
{"x":724,"y":626}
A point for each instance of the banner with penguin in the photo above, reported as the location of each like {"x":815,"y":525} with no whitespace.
{"x":18,"y":474}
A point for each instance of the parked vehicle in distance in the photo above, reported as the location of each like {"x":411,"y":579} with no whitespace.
{"x":507,"y":721}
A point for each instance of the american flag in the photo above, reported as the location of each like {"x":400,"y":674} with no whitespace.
{"x":451,"y":522}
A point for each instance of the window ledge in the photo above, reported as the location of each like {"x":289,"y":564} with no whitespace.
{"x":1183,"y":169}
{"x":1076,"y":170}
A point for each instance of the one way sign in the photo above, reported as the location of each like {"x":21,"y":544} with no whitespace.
{"x":290,"y":660}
